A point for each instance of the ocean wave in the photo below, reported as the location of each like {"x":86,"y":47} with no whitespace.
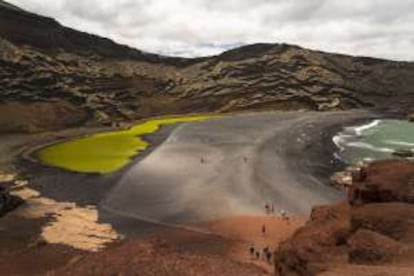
{"x":363,"y":145}
{"x":360,"y":129}
{"x":342,"y":139}
{"x":399,"y":143}
{"x":350,"y":134}
{"x":338,"y":143}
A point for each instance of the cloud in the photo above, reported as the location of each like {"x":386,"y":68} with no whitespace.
{"x":379,"y":28}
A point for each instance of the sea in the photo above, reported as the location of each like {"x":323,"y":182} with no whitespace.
{"x":375,"y":140}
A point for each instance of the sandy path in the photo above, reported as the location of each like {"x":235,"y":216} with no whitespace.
{"x":247,"y":231}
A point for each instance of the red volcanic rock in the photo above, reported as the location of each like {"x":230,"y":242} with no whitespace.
{"x":348,"y":239}
{"x":395,"y":220}
{"x":387,"y":181}
{"x":321,"y":241}
{"x":368,"y":247}
{"x":369,"y":270}
{"x":153,"y":257}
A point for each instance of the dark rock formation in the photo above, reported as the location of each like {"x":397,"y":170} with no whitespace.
{"x":369,"y":247}
{"x":393,"y":219}
{"x":8,"y":202}
{"x":377,"y":233}
{"x":403,"y":153}
{"x":24,"y":28}
{"x":387,"y":182}
{"x":321,"y":241}
{"x":41,"y":61}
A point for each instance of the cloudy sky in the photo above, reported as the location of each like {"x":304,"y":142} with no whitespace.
{"x":380,"y":28}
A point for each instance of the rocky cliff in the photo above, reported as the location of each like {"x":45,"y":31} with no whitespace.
{"x":374,"y":236}
{"x":77,"y":78}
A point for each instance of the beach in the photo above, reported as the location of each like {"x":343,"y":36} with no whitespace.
{"x":207,"y":180}
{"x":230,"y":166}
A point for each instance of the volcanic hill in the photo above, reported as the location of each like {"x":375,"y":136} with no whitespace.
{"x":53,"y":77}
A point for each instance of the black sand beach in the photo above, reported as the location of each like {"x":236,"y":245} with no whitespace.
{"x":290,"y":169}
{"x":221,"y":169}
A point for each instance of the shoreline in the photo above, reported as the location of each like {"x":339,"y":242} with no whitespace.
{"x":198,"y":128}
{"x":85,"y":190}
{"x":154,"y":139}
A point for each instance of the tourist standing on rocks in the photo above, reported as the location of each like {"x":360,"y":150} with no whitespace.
{"x":263,"y":230}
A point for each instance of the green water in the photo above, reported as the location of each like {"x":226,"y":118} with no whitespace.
{"x":377,"y":141}
{"x":105,"y":152}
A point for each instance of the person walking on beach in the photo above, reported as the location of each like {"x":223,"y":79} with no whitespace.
{"x":263,"y":230}
{"x":267,"y":208}
{"x":272,"y":208}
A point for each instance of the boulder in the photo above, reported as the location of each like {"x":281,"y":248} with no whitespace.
{"x":404,"y":153}
{"x":386,"y":181}
{"x":322,"y":241}
{"x":8,"y":202}
{"x":369,"y":247}
{"x":393,"y":219}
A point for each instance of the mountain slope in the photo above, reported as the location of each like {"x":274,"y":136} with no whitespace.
{"x":266,"y":75}
{"x":25,"y":28}
{"x":69,"y":72}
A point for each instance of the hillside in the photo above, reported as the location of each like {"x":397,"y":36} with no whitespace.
{"x":52,"y":77}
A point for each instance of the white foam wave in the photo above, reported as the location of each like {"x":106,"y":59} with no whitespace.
{"x":400,"y":143}
{"x":359,"y":129}
{"x":363,"y":145}
{"x":349,"y":135}
{"x":341,"y":140}
{"x":337,"y":140}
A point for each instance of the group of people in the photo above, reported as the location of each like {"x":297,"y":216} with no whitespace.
{"x":270,"y":210}
{"x":263,"y":254}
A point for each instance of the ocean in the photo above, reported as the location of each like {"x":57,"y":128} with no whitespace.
{"x":376,"y":140}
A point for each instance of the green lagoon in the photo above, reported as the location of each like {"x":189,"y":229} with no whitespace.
{"x":108,"y":151}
